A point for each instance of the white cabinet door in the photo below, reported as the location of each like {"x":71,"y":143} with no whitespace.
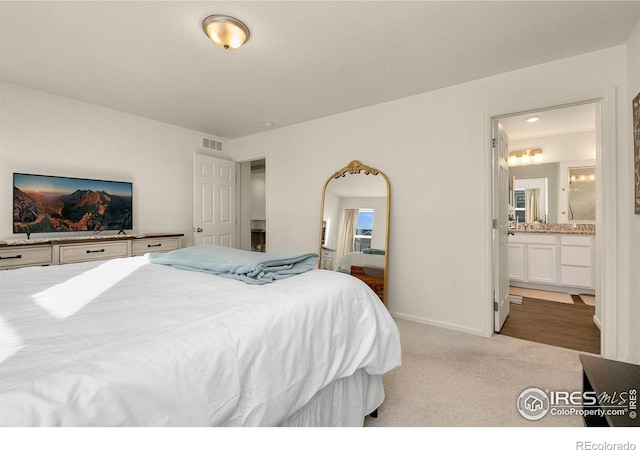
{"x":543,"y":263}
{"x":516,"y":262}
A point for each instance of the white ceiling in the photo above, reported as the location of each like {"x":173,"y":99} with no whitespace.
{"x":304,"y":60}
{"x":553,"y":122}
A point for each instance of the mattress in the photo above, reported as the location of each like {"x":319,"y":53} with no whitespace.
{"x":130,"y":343}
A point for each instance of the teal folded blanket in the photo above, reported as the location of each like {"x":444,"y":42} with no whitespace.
{"x":250,"y":267}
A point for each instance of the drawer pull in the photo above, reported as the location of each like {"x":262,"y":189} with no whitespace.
{"x":11,"y":257}
{"x":96,"y":251}
{"x":154,"y":245}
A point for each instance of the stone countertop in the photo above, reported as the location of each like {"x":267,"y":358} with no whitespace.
{"x":556,"y":228}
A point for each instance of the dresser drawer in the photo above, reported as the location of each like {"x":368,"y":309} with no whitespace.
{"x":575,"y":256}
{"x":91,"y":252}
{"x":577,"y":276}
{"x":25,"y":256}
{"x":576,"y":240}
{"x":142,"y":246}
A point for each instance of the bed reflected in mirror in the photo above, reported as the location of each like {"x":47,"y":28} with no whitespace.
{"x":355,"y":225}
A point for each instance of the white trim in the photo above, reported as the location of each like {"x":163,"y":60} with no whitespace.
{"x":439,"y":324}
{"x":606,"y":220}
{"x":597,"y":322}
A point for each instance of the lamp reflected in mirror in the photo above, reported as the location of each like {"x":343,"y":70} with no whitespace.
{"x":582,"y":194}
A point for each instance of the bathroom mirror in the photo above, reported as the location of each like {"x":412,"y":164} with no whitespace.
{"x":582,"y":194}
{"x":535,"y":193}
{"x":354,"y":225}
{"x":531,"y":200}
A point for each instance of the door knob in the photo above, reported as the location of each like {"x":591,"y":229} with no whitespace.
{"x":199,"y":230}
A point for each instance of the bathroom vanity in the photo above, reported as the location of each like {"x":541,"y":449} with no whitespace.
{"x":553,"y":256}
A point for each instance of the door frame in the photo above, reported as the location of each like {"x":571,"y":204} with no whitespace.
{"x":606,"y":207}
{"x":241,"y":195}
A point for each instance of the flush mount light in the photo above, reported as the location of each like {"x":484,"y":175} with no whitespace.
{"x":225,"y":31}
{"x":533,"y":119}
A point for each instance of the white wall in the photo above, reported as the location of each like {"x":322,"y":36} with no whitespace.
{"x":633,"y":316}
{"x":333,"y":216}
{"x":562,"y":147}
{"x":51,"y":135}
{"x":434,"y":149}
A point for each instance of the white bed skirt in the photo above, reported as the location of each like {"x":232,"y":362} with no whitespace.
{"x":344,"y":403}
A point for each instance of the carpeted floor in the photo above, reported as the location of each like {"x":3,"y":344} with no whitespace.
{"x":450,"y":379}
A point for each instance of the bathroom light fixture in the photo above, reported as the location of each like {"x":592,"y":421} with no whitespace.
{"x":528,"y":156}
{"x":225,"y":31}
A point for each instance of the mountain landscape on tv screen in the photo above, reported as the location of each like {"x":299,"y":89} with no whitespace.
{"x":82,"y":210}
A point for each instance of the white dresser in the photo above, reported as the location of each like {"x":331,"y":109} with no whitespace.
{"x":66,"y":251}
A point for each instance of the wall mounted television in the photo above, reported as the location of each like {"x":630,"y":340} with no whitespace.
{"x":51,"y":204}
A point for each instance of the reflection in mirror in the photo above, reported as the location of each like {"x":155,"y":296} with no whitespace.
{"x":530,"y":203}
{"x":542,"y":204}
{"x":582,"y":194}
{"x":355,"y":225}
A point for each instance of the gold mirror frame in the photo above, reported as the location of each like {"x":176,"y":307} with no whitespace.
{"x":357,"y":168}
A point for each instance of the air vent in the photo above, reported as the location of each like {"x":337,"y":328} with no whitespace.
{"x":212,"y":144}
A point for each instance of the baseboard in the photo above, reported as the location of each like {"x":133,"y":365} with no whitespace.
{"x":552,"y":287}
{"x":438,"y":323}
{"x":597,"y":322}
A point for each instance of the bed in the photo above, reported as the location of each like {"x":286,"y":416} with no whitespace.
{"x":368,"y":266}
{"x":130,"y":342}
{"x":361,"y":259}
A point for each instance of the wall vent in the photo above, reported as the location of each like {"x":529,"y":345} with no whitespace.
{"x":212,"y":144}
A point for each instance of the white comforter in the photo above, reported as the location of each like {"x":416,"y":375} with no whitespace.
{"x":128,"y":342}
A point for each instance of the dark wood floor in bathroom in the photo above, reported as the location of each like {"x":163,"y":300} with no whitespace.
{"x":553,"y":323}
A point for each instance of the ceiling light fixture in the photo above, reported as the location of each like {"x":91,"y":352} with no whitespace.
{"x":533,"y":119}
{"x":225,"y":31}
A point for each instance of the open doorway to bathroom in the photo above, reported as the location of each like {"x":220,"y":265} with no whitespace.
{"x":553,"y":158}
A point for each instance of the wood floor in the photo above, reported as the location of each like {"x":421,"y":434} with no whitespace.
{"x":553,"y":323}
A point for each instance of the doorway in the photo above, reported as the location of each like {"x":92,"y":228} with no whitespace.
{"x":253,"y":205}
{"x":551,"y":242}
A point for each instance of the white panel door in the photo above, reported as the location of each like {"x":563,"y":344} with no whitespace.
{"x":501,"y":225}
{"x":214,"y":197}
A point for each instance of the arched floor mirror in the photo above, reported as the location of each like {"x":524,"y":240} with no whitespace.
{"x":354,"y":236}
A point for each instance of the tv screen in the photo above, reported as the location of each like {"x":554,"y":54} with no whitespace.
{"x":46,"y":204}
